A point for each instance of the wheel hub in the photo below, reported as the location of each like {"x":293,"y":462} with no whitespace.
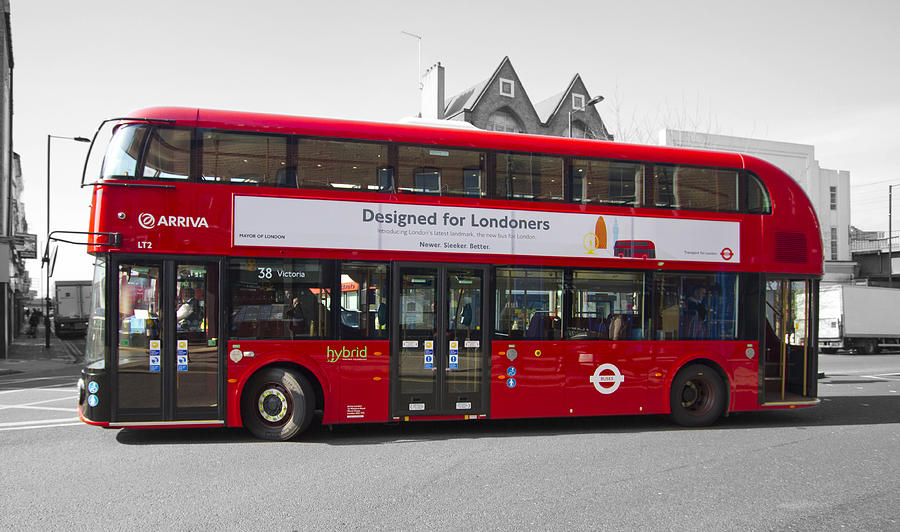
{"x":273,"y":405}
{"x":690,"y":394}
{"x":697,"y":396}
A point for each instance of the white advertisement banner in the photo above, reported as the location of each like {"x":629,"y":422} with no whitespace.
{"x":311,"y":223}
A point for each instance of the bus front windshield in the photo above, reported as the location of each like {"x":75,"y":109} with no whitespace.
{"x":123,"y":152}
{"x":95,"y":350}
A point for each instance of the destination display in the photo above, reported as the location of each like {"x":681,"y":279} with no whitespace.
{"x":312,"y":223}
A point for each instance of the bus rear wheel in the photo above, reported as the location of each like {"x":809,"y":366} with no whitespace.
{"x":277,"y":404}
{"x":697,"y":397}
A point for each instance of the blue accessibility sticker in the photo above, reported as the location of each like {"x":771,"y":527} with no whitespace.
{"x":511,"y":383}
{"x":511,"y":371}
{"x":93,"y":387}
{"x":92,"y":400}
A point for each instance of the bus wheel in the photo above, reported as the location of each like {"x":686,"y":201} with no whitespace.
{"x":277,"y":404}
{"x":697,"y":397}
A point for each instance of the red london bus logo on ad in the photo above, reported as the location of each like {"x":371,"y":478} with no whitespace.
{"x":148,"y":221}
{"x":727,"y":253}
{"x":637,"y":249}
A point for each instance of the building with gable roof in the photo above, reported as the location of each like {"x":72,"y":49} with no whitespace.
{"x":500,"y":103}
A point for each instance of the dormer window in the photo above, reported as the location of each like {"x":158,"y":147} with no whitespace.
{"x":507,"y":87}
{"x":578,"y":102}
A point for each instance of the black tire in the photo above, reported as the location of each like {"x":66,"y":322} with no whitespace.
{"x":277,"y":404}
{"x":697,"y":397}
{"x":867,"y":347}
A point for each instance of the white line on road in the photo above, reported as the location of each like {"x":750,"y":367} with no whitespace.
{"x":50,"y":408}
{"x":69,"y":397}
{"x":68,"y":388}
{"x":19,"y":381}
{"x":37,"y":422}
{"x":2,"y":429}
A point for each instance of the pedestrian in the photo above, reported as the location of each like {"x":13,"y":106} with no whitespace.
{"x":33,"y":321}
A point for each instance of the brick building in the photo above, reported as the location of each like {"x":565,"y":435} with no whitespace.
{"x":501,"y":103}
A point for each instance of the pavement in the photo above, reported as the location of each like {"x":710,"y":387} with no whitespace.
{"x":27,"y":355}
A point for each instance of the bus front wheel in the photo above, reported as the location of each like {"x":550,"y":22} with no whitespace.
{"x":697,"y":397}
{"x":277,"y":404}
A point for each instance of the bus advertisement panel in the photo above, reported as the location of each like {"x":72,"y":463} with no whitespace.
{"x":280,"y":222}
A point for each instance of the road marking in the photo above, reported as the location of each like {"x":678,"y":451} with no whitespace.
{"x":66,"y":389}
{"x":49,"y":408}
{"x":37,"y":422}
{"x":3,"y":429}
{"x":883,"y":376}
{"x":32,"y":379}
{"x":70,"y":398}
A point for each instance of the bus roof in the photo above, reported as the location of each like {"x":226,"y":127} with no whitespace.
{"x":428,"y":134}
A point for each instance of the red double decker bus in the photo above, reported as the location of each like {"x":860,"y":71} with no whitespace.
{"x":259,"y":271}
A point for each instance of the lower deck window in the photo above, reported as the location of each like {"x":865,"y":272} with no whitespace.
{"x":529,"y":302}
{"x":280,"y":299}
{"x":606,"y":306}
{"x":696,"y":306}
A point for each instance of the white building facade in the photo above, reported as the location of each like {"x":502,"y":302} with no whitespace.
{"x":829,"y":190}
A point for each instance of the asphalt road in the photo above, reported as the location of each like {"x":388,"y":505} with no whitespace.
{"x":832,"y":467}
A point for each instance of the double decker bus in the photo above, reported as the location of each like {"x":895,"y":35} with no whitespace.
{"x":259,"y":270}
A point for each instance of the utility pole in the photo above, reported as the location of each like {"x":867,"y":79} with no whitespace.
{"x":418,"y":39}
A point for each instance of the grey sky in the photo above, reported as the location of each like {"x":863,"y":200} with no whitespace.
{"x":821,"y":73}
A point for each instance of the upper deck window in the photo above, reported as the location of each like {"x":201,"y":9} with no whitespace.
{"x":448,"y":172}
{"x":168,"y":154}
{"x":123,"y":152}
{"x":605,"y":182}
{"x":757,"y":200}
{"x":232,"y":157}
{"x":694,"y":188}
{"x":530,"y":177}
{"x":242,"y":159}
{"x":344,"y":165}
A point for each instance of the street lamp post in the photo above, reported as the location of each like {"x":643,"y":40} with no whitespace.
{"x":890,"y":239}
{"x":45,"y":260}
{"x":591,"y":102}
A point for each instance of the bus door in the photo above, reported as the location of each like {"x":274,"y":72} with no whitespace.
{"x":166,"y":357}
{"x":439,"y":347}
{"x":790,"y":364}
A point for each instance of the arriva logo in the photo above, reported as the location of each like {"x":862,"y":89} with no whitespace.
{"x":148,"y":221}
{"x":333,"y":355}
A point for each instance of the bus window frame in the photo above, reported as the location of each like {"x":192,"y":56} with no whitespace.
{"x":645,"y":197}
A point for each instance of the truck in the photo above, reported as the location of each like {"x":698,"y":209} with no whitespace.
{"x":73,"y":308}
{"x":861,"y":319}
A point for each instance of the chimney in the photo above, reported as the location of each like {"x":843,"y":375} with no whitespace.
{"x":433,"y":92}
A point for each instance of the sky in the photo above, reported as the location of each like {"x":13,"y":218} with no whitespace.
{"x":822,"y":73}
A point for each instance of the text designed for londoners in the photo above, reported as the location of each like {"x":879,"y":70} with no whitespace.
{"x":332,"y":224}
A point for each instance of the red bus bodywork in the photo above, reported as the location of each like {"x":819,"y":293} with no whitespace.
{"x":554,"y":377}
